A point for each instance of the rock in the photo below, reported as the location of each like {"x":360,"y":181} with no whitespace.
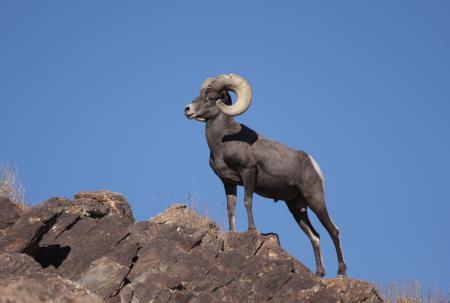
{"x":9,"y":212}
{"x":23,"y":280}
{"x":69,"y":235}
{"x":80,"y":243}
{"x":354,"y":291}
{"x":181,"y":215}
{"x":28,"y":231}
{"x":110,"y":202}
{"x":92,"y":243}
{"x":175,"y":265}
{"x":104,"y":276}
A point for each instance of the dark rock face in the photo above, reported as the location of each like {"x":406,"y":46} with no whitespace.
{"x":23,"y":280}
{"x":9,"y":212}
{"x":92,"y":246}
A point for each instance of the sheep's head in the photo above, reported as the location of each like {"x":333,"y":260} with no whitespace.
{"x":214,"y":98}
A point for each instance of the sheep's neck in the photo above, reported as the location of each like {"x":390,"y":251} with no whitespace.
{"x":217,"y":127}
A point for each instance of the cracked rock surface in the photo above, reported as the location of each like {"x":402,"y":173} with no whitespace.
{"x":90,"y":250}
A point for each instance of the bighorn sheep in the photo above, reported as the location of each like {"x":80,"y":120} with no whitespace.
{"x":240,"y":156}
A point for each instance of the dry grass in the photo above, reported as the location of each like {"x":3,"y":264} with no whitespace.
{"x":411,"y":292}
{"x":10,"y":186}
{"x":196,"y":215}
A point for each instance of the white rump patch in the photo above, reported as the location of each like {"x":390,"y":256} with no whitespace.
{"x":316,"y":166}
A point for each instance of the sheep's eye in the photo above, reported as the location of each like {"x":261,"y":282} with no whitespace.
{"x":209,"y":99}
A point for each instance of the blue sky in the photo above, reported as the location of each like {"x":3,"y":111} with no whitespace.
{"x":92,"y":96}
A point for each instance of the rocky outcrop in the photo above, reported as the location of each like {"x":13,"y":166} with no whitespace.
{"x":91,"y":248}
{"x":9,"y":212}
{"x":24,"y":280}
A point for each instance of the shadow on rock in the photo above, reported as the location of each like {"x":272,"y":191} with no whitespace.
{"x":51,"y":255}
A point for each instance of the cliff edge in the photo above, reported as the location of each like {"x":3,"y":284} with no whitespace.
{"x":90,"y":249}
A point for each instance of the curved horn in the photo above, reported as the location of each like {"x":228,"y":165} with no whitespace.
{"x":239,"y":86}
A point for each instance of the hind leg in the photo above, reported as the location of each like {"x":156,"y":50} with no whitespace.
{"x":299,"y":211}
{"x":317,"y":204}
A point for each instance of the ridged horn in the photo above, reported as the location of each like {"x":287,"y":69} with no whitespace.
{"x":238,"y":85}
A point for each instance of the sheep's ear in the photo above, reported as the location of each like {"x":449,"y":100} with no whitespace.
{"x":226,"y":97}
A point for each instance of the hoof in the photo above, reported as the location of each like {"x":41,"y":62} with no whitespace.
{"x":320,"y":273}
{"x":342,"y":271}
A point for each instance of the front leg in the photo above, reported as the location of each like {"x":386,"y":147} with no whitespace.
{"x":230,"y":191}
{"x":249,"y":181}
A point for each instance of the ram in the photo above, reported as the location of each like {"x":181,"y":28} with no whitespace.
{"x":240,"y":156}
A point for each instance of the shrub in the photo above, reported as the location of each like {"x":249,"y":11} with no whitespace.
{"x":411,"y":292}
{"x":10,"y":187}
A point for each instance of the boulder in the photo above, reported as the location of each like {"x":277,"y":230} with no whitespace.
{"x":28,"y":231}
{"x":70,"y":235}
{"x":108,"y":202}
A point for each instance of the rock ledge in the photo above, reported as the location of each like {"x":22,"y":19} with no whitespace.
{"x":91,"y":250}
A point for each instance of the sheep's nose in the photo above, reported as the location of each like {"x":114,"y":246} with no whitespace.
{"x":187,"y":107}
